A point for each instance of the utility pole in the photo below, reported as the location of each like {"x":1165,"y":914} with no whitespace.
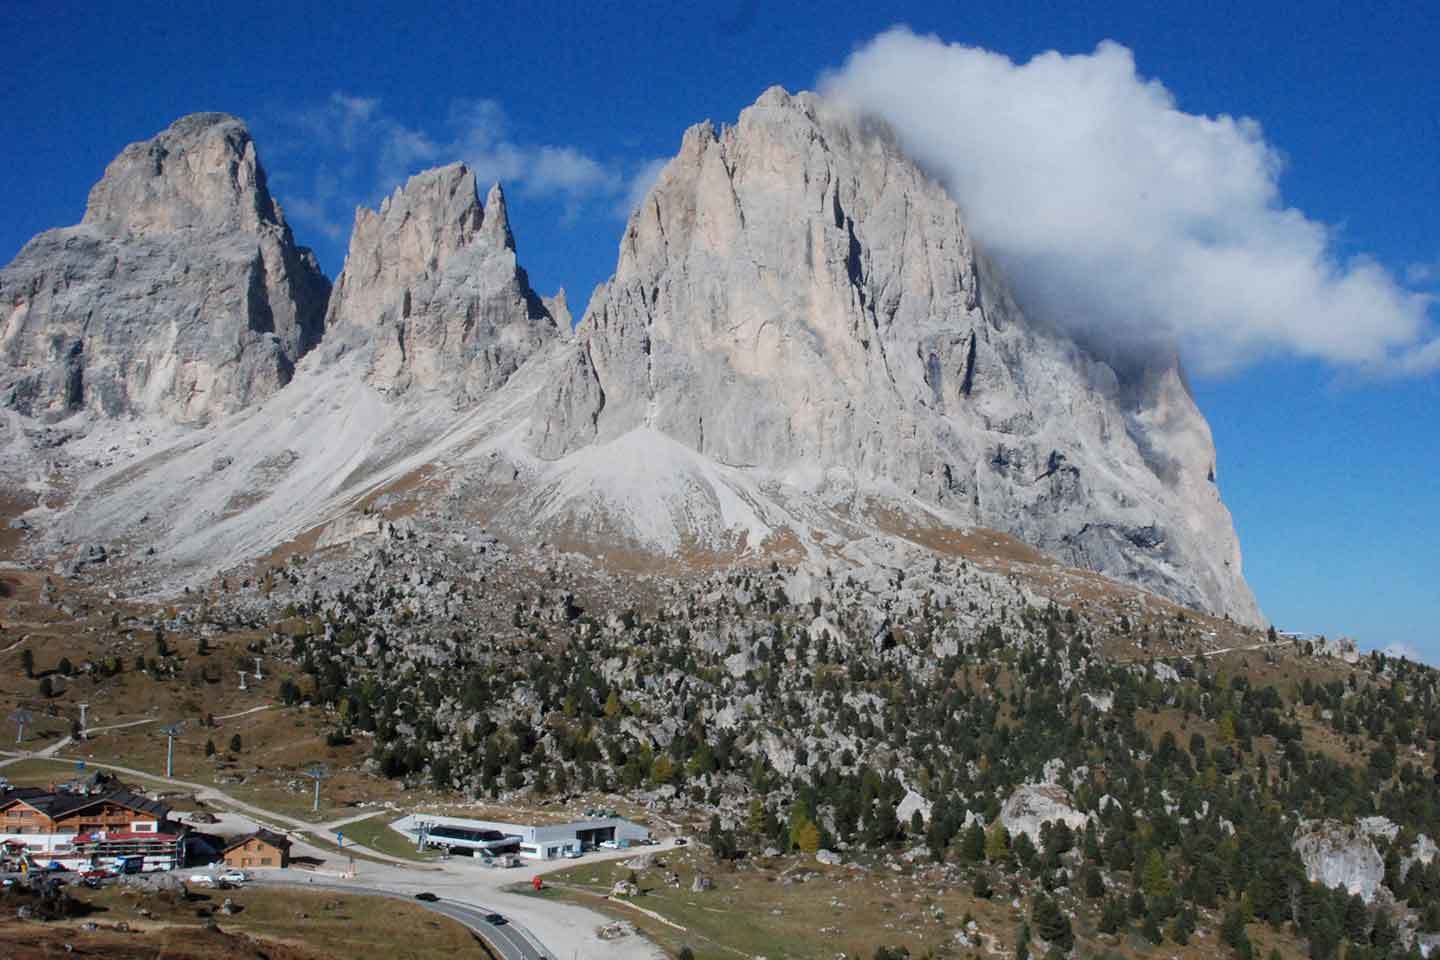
{"x":83,"y":707}
{"x":21,"y":719}
{"x":171,"y":732}
{"x":317,"y":772}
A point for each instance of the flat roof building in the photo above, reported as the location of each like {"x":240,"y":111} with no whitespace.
{"x":487,"y":838}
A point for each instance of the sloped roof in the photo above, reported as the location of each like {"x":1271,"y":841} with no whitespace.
{"x":57,"y":805}
{"x":279,"y":841}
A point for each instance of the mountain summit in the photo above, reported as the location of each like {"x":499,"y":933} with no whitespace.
{"x":802,"y":353}
{"x":182,"y":293}
{"x":796,"y":300}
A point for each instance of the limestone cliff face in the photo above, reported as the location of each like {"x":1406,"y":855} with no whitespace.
{"x":797,"y":299}
{"x":432,"y":283}
{"x":181,"y":293}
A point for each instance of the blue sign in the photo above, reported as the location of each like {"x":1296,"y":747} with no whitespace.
{"x":79,"y":764}
{"x":341,"y":837}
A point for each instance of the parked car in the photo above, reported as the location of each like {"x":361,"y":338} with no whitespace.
{"x":427,"y":896}
{"x":609,"y":844}
{"x":234,"y":876}
{"x":202,"y":879}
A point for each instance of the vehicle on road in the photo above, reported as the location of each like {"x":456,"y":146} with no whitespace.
{"x":681,"y":841}
{"x":426,"y":896}
{"x":495,"y":919}
{"x":609,"y":844}
{"x":202,"y":879}
{"x":234,"y":876}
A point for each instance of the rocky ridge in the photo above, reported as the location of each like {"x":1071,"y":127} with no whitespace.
{"x":801,"y":347}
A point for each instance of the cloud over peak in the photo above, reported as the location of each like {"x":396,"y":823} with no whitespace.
{"x":1120,"y":216}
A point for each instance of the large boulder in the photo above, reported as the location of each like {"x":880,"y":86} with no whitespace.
{"x":1032,"y":805}
{"x":1340,"y":855}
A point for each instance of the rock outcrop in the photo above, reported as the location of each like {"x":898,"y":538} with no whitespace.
{"x":796,"y":299}
{"x":181,"y":293}
{"x":1340,"y":855}
{"x":432,"y":284}
{"x":1033,"y":805}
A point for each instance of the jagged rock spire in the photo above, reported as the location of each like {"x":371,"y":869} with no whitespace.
{"x":432,"y":281}
{"x":496,"y":227}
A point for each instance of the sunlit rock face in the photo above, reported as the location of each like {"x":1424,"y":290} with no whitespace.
{"x":432,"y":284}
{"x":181,"y":293}
{"x":795,"y":298}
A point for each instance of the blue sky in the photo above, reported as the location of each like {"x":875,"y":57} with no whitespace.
{"x":1331,"y":466}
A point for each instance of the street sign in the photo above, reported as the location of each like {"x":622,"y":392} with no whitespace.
{"x":79,"y":764}
{"x":341,"y":838}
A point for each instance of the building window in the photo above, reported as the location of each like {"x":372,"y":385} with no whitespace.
{"x":264,"y":861}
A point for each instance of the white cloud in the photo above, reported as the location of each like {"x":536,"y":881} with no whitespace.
{"x":1121,"y":216}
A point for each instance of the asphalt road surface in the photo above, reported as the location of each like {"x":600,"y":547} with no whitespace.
{"x":509,"y":940}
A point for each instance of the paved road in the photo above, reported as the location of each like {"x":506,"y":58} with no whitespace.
{"x":510,"y":940}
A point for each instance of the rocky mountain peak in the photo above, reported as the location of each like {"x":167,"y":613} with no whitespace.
{"x":432,"y":283}
{"x":182,"y":293}
{"x":201,"y":171}
{"x":798,"y":300}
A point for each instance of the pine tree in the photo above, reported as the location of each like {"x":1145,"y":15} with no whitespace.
{"x":1150,"y":928}
{"x":808,"y":839}
{"x":1024,"y":851}
{"x":1113,"y":916}
{"x":1155,"y":875}
{"x":755,"y":817}
{"x":997,"y":843}
{"x":1094,"y":883}
{"x":1051,"y":923}
{"x":981,"y":886}
{"x":1232,"y":931}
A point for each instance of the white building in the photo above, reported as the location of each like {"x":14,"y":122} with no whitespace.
{"x":487,"y":838}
